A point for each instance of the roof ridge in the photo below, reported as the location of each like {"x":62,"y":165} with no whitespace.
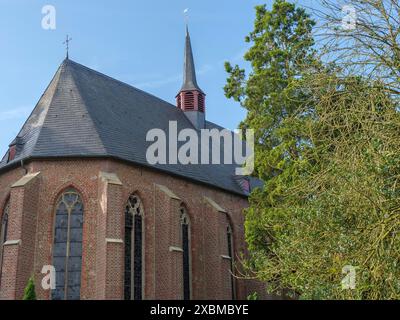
{"x":81,"y":96}
{"x":56,"y":74}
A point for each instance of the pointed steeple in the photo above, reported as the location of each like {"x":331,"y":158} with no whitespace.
{"x":191,"y":99}
{"x":189,"y":70}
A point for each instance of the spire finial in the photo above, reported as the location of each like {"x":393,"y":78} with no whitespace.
{"x":186,"y":17}
{"x":66,"y":42}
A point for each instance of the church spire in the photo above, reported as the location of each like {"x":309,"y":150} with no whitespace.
{"x":189,"y":70}
{"x":191,"y":99}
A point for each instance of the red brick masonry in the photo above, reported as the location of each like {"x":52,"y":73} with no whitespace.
{"x":105,"y":186}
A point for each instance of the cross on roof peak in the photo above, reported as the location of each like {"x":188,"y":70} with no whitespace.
{"x":66,"y":42}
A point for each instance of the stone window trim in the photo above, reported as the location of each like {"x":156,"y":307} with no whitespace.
{"x":12,"y":242}
{"x":175,"y":249}
{"x":109,"y":240}
{"x":226,"y":257}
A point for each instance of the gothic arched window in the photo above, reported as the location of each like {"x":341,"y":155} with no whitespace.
{"x":185,"y":236}
{"x":3,"y":232}
{"x":133,"y":282}
{"x":229,"y":235}
{"x":67,"y":250}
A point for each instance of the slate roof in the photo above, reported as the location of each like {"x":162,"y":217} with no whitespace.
{"x":84,"y":113}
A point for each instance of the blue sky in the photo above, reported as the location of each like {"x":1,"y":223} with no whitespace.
{"x":138,"y":42}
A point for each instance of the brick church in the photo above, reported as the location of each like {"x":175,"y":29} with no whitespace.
{"x":77,"y":193}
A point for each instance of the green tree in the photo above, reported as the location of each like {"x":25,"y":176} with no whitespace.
{"x":329,"y":154}
{"x":29,"y":292}
{"x":282,"y":51}
{"x":341,"y":208}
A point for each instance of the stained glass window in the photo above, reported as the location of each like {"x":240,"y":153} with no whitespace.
{"x":185,"y":230}
{"x":67,"y":250}
{"x":133,"y":284}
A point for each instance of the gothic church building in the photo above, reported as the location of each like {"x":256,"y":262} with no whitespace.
{"x":77,"y":193}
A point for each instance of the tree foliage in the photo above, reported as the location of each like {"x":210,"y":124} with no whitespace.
{"x":29,"y":292}
{"x":328,"y":150}
{"x":282,"y":46}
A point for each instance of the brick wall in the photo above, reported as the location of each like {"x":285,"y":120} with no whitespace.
{"x":104,"y":205}
{"x":19,"y":248}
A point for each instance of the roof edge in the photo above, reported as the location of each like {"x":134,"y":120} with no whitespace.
{"x":22,"y":162}
{"x":56,"y":74}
